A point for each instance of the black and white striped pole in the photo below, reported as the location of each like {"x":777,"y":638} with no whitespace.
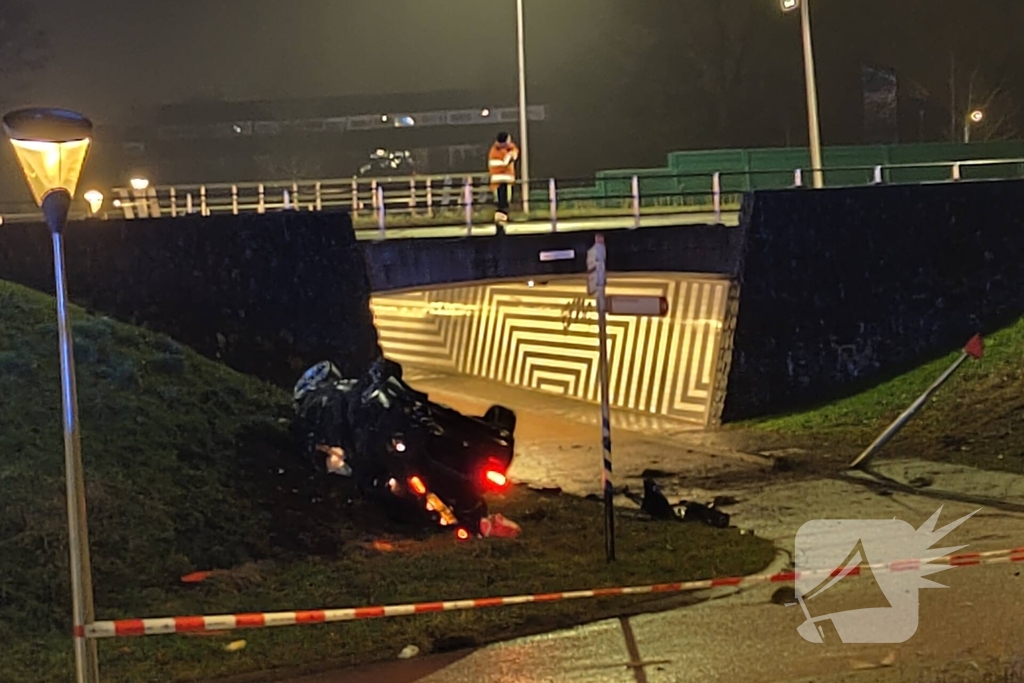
{"x":596,"y":281}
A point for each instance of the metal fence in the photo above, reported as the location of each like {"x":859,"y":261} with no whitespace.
{"x":413,"y":205}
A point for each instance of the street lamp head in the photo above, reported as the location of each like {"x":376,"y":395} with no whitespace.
{"x":789,"y":5}
{"x":95,"y":199}
{"x":485,"y":112}
{"x":977,"y":116}
{"x":139,"y":184}
{"x":51,"y":145}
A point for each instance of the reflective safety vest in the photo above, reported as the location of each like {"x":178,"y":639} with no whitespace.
{"x":502,"y":163}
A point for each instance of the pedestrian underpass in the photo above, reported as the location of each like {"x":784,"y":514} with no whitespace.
{"x":542,"y":335}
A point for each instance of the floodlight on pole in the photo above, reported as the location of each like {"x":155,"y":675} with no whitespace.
{"x":974,"y":118}
{"x":51,"y":146}
{"x":139,"y":184}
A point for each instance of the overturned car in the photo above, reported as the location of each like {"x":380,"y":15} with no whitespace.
{"x":420,"y":460}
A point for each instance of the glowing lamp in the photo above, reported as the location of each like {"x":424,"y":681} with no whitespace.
{"x":139,"y":184}
{"x":977,"y":116}
{"x":51,"y":145}
{"x":95,"y":199}
{"x":789,"y":5}
{"x":417,"y":485}
{"x":462,"y":534}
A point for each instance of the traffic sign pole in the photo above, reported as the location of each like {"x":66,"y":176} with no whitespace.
{"x":596,"y":281}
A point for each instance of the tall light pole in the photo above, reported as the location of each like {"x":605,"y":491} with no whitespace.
{"x":523,"y":111}
{"x":812,"y":87}
{"x":971,"y":120}
{"x":51,"y":146}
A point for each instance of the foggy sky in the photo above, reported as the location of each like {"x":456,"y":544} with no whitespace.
{"x":110,"y":54}
{"x":647,"y":76}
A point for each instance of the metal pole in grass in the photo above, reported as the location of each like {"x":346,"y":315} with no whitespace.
{"x":51,"y":146}
{"x":596,"y":283}
{"x":975,"y":349}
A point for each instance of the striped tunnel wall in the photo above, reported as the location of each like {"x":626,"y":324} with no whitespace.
{"x":545,"y":337}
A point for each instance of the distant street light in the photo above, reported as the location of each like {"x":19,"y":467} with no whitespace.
{"x":812,"y":86}
{"x":51,"y":146}
{"x":524,"y":146}
{"x":140,"y":184}
{"x":973,"y":119}
{"x":95,"y":199}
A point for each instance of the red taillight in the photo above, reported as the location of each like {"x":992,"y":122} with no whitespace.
{"x":461,"y":534}
{"x":496,"y":478}
{"x":417,"y":485}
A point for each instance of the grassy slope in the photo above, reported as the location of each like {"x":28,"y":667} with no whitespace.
{"x":169,"y":441}
{"x":974,"y":418}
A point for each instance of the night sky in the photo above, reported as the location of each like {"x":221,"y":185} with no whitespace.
{"x":643,"y":75}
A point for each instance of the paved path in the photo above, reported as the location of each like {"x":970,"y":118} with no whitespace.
{"x":970,"y":629}
{"x":728,"y":218}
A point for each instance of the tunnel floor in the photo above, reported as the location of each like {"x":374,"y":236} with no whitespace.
{"x":558,"y":440}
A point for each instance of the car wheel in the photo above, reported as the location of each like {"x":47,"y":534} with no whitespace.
{"x":501,"y":417}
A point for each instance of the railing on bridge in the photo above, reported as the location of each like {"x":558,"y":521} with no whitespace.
{"x":413,"y":205}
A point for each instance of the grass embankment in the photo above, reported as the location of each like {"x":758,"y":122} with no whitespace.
{"x":976,"y":418}
{"x":189,"y":467}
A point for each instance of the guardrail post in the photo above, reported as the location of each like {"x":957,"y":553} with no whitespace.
{"x":430,"y":198}
{"x":412,"y":196}
{"x":287,"y":199}
{"x":468,"y":201}
{"x":202,"y":201}
{"x":355,"y":197}
{"x":553,"y":197}
{"x":636,"y":201}
{"x":234,"y":199}
{"x":716,"y":191}
{"x":879,"y":175}
{"x":373,"y":194}
{"x":319,"y":197}
{"x":295,"y":197}
{"x":798,"y":178}
{"x":174,"y":203}
{"x":381,"y":214}
{"x":261,"y":202}
{"x":956,"y":171}
{"x":189,"y":209}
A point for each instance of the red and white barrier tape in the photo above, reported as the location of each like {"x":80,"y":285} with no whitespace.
{"x":153,"y":627}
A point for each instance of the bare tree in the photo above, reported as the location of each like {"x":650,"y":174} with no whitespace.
{"x":993,"y":99}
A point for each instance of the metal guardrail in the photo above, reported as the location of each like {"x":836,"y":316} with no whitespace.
{"x":407,"y":203}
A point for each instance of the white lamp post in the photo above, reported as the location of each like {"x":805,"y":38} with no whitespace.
{"x":523,"y":112}
{"x":51,"y":146}
{"x":812,"y":86}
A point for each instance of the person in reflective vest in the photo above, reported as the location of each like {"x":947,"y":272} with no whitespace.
{"x":502,"y":166}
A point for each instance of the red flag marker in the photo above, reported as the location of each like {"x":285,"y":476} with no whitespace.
{"x":975,"y":347}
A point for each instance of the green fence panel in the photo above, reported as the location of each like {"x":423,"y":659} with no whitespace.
{"x":853,"y":165}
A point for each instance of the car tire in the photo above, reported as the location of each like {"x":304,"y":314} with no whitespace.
{"x":501,"y":417}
